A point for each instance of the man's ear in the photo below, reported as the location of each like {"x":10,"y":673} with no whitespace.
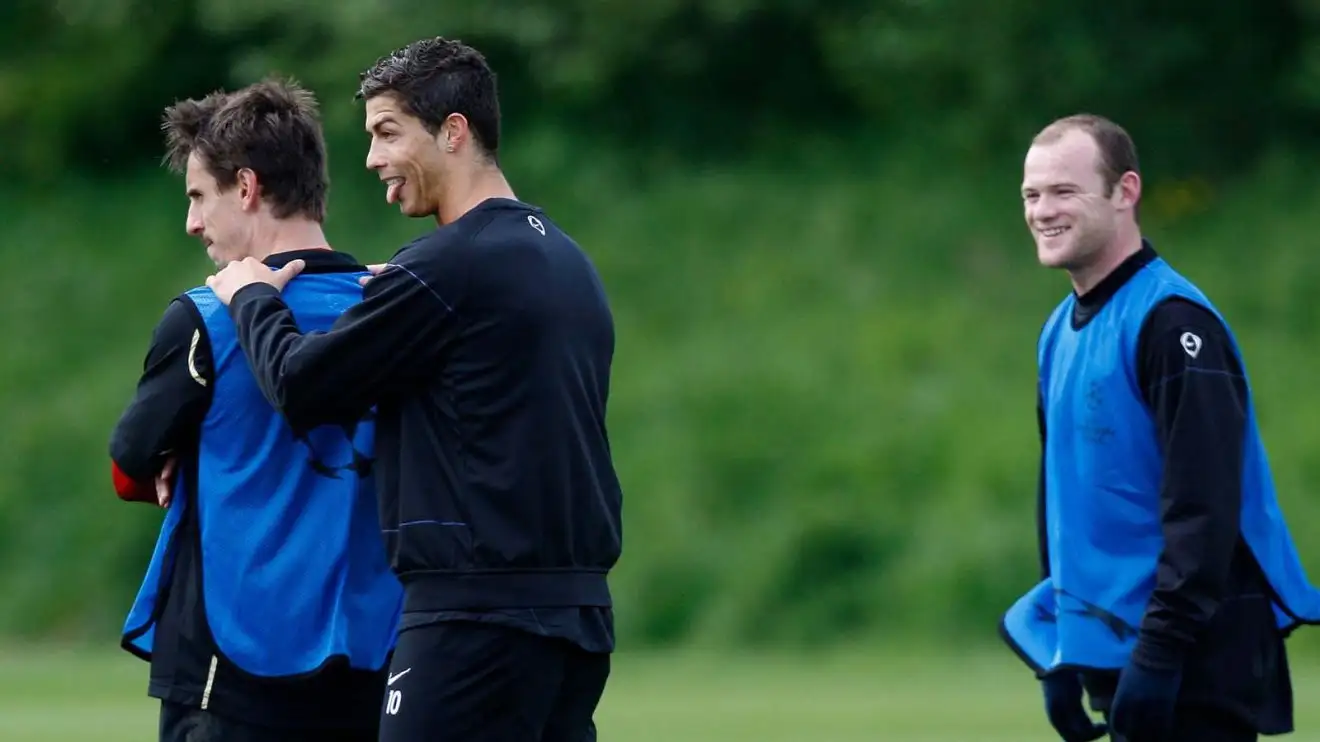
{"x":1129,"y":190}
{"x":454,"y":132}
{"x":249,"y":189}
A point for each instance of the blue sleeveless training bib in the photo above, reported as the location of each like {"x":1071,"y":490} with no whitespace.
{"x":293,"y":565}
{"x":1102,"y":486}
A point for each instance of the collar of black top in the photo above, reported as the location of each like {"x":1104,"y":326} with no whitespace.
{"x":1111,"y":283}
{"x":317,"y":260}
{"x":499,"y":202}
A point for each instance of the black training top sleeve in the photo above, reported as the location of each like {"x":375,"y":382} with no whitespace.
{"x":1042,"y":533}
{"x":172,"y":398}
{"x":1193,"y":383}
{"x":402,"y":325}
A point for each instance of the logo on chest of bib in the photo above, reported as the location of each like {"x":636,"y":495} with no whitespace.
{"x":1095,"y":426}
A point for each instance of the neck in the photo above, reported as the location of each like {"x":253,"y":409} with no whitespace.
{"x":468,"y":190}
{"x":1087,"y":278}
{"x":287,"y":235}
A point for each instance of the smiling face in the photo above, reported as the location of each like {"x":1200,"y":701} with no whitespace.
{"x":1072,"y":212}
{"x":409,"y":159}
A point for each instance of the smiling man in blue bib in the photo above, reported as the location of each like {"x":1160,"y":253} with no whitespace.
{"x":1169,"y":577}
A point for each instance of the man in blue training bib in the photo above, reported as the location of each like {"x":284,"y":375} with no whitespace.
{"x":269,"y":611}
{"x":1169,"y":577}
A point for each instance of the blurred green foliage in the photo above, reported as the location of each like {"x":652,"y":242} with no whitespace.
{"x":1206,"y":85}
{"x":806,"y":216}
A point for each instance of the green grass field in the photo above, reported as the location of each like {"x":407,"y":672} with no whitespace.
{"x":982,"y":697}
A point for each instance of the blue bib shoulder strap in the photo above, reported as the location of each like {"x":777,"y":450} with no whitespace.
{"x":205,"y":300}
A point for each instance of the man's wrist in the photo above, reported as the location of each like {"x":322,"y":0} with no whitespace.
{"x":1159,"y":653}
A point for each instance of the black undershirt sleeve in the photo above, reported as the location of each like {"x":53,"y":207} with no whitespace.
{"x":1042,"y":533}
{"x":1192,"y":381}
{"x":171,"y":400}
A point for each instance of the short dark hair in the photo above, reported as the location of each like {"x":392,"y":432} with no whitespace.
{"x":272,"y":127}
{"x":436,"y":77}
{"x":1118,"y":153}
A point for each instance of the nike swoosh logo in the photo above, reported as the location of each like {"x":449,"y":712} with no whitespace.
{"x":393,"y":678}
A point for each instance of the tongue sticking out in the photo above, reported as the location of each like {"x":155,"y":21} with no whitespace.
{"x":392,"y":192}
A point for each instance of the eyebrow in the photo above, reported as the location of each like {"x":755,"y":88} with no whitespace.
{"x":193,"y":193}
{"x":1049,"y":186}
{"x":384,"y":119}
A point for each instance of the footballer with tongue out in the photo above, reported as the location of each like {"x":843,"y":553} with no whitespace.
{"x":434,"y":165}
{"x":484,"y":349}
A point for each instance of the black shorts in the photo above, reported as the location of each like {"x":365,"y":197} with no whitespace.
{"x":180,"y":723}
{"x":475,"y":682}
